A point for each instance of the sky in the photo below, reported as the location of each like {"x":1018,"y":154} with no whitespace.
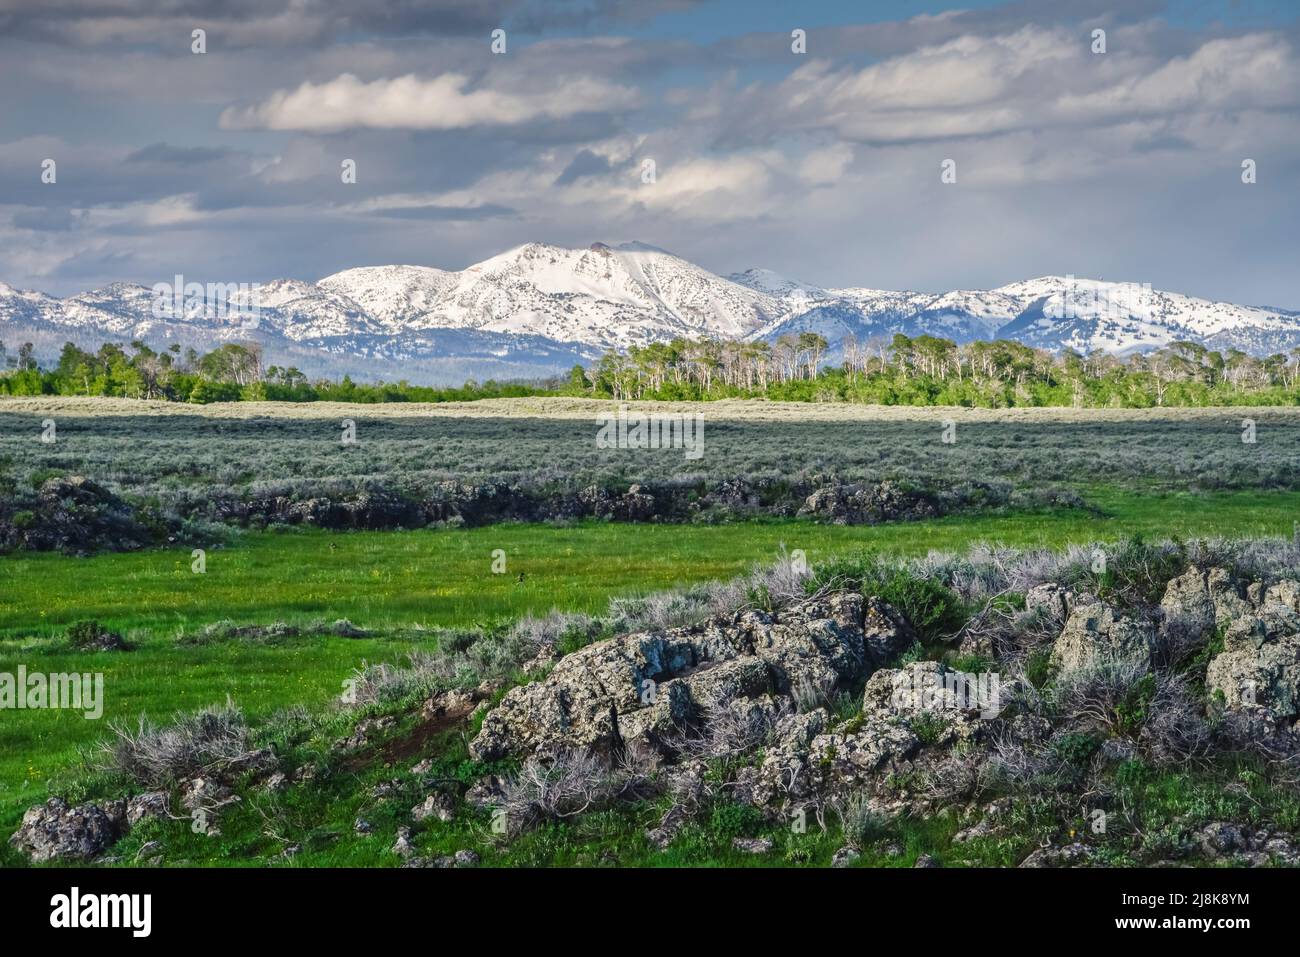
{"x":824,"y":163}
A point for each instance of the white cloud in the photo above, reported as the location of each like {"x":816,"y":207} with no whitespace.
{"x":410,"y":102}
{"x":1248,"y":71}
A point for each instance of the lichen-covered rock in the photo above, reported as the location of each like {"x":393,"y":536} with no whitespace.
{"x":934,"y":688}
{"x":204,"y":793}
{"x":1224,"y":840}
{"x":403,"y":847}
{"x":640,"y":690}
{"x":487,"y":792}
{"x":1285,"y":592}
{"x":1201,"y":600}
{"x":1049,"y":600}
{"x":797,"y":768}
{"x":816,"y":645}
{"x":1264,"y":674}
{"x":1072,"y":855}
{"x":579,"y":703}
{"x":142,"y":806}
{"x":648,"y":731}
{"x":845,"y":857}
{"x":1095,"y":636}
{"x":885,"y":633}
{"x":55,"y":831}
{"x":1273,"y":621}
{"x":439,"y":805}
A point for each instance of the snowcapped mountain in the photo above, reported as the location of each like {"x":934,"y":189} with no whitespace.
{"x":396,"y":296}
{"x":1051,"y":312}
{"x":1088,"y":315}
{"x":608,"y":297}
{"x":538,"y":309}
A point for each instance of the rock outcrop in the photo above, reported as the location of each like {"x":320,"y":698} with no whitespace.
{"x":56,"y":831}
{"x":1095,"y":636}
{"x":640,"y":690}
{"x":1258,"y":669}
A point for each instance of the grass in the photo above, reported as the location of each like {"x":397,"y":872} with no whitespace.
{"x":166,"y":450}
{"x":429,"y":578}
{"x":399,"y":583}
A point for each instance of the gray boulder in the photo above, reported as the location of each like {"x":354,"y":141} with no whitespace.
{"x":1095,"y":636}
{"x":640,"y":691}
{"x":885,"y":633}
{"x":55,"y":831}
{"x":142,"y":806}
{"x":1265,"y":674}
{"x":1199,"y":601}
{"x":1049,"y":600}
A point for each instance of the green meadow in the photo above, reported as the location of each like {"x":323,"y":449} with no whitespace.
{"x":401,"y":585}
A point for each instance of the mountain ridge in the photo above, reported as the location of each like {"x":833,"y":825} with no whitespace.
{"x":540,"y":307}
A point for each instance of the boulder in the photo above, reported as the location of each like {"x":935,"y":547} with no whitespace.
{"x":1049,"y":600}
{"x":1263,"y":675}
{"x":1072,"y":855}
{"x":403,"y":847}
{"x":885,"y":633}
{"x":1199,"y":601}
{"x":142,"y":806}
{"x":1285,"y":592}
{"x":438,"y":805}
{"x":1235,"y":844}
{"x":55,"y":831}
{"x":1095,"y":636}
{"x":934,"y":688}
{"x":817,"y":645}
{"x":640,"y":690}
{"x":831,"y":763}
{"x":845,"y":857}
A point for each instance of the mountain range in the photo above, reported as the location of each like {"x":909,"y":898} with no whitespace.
{"x":538,"y":309}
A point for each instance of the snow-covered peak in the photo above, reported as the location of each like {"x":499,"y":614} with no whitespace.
{"x":559,"y":302}
{"x":774,"y":284}
{"x":395,"y":295}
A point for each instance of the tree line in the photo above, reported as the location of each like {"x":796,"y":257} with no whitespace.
{"x":929,"y":370}
{"x":900,"y":370}
{"x":233,"y":372}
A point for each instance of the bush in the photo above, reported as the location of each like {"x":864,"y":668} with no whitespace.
{"x":728,"y":819}
{"x":92,"y":636}
{"x":935,"y":611}
{"x":861,"y":823}
{"x":1075,"y":748}
{"x":207,"y":741}
{"x":928,"y":726}
{"x":567,"y":785}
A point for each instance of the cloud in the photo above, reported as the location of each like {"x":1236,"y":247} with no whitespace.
{"x":438,"y":212}
{"x":825,"y":166}
{"x":162,"y":153}
{"x":1256,"y":70}
{"x":409,"y":102}
{"x":586,"y":163}
{"x":284,"y":23}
